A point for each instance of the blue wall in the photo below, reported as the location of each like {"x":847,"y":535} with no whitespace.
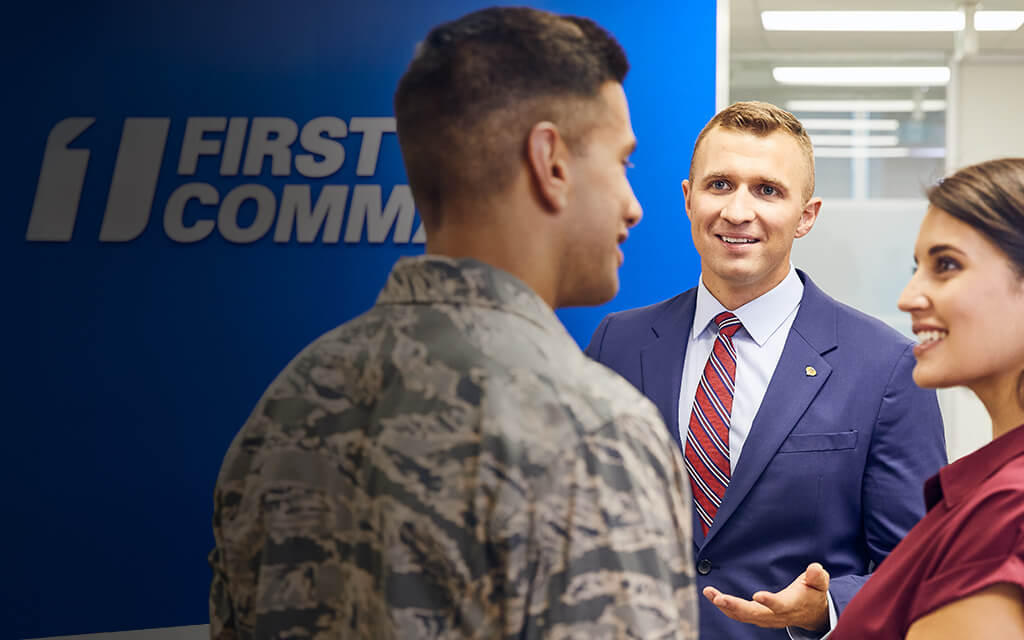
{"x":135,"y":353}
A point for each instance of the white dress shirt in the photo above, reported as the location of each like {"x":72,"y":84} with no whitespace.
{"x":766,"y":324}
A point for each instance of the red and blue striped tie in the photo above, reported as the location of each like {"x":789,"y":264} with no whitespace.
{"x":707,"y":439}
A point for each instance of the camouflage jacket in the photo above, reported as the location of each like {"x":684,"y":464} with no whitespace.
{"x":450,"y":465}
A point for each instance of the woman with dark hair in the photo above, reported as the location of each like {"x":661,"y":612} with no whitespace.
{"x":960,"y":572}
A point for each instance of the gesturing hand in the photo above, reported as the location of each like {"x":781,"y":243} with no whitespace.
{"x":804,"y":603}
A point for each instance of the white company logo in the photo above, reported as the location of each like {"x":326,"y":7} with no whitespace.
{"x":140,"y":156}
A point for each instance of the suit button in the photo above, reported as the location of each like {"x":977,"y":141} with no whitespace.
{"x":704,"y":567}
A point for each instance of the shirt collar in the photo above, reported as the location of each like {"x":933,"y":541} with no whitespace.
{"x":432,"y":279}
{"x":954,"y":481}
{"x":761,"y":317}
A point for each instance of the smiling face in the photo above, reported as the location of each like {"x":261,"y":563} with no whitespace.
{"x":747,"y":202}
{"x":966,"y":303}
{"x":603,"y":207}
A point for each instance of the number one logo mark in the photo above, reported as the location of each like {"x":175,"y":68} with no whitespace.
{"x":60,"y":184}
{"x":132,"y":187}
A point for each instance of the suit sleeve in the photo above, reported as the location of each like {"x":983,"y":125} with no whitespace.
{"x":908,"y":446}
{"x":593,"y":349}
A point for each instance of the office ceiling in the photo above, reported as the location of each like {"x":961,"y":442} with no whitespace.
{"x":753,"y":51}
{"x":749,"y":37}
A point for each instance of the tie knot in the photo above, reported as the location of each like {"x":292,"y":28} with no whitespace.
{"x":728,"y":324}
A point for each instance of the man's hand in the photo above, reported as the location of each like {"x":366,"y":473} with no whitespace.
{"x":804,"y":603}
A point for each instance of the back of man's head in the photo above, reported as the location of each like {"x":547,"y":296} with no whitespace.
{"x":477,"y":85}
{"x":761,"y":119}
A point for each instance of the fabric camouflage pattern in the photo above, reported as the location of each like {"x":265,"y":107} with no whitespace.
{"x":450,"y":465}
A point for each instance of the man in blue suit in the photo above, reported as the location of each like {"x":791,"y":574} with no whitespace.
{"x":806,"y":441}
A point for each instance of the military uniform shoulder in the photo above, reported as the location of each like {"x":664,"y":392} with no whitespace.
{"x":611,"y":384}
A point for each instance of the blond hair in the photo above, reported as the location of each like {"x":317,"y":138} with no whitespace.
{"x":761,"y":119}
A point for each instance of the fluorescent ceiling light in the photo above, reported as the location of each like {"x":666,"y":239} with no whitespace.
{"x":880,"y":152}
{"x":863,"y":76}
{"x":821,"y":124}
{"x":862,"y":140}
{"x":868,"y":106}
{"x":862,"y":20}
{"x":888,"y":20}
{"x":998,"y":20}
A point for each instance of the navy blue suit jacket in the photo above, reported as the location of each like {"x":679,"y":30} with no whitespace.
{"x":833,"y":467}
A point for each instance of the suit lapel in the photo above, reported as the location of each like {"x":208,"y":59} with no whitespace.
{"x":789,"y":393}
{"x":661,"y":360}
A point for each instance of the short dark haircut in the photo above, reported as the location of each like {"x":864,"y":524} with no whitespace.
{"x":475,"y":87}
{"x":761,"y":119}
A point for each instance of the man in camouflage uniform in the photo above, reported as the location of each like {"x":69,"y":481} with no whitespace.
{"x":449,"y":464}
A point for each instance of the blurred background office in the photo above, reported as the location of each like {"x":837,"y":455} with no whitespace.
{"x":895,"y":94}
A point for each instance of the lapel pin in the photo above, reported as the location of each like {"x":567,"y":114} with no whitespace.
{"x":811,"y":371}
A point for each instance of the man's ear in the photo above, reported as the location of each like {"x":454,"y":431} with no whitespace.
{"x":807,"y":217}
{"x":686,"y":197}
{"x":547,"y":157}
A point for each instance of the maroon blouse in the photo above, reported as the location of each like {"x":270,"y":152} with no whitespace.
{"x":971,"y":538}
